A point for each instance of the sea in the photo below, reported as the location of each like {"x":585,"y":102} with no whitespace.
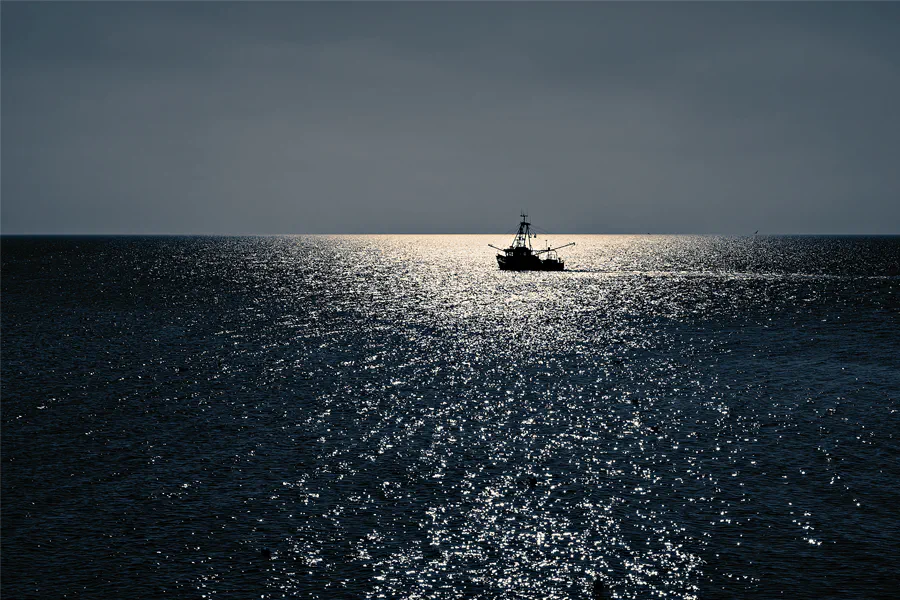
{"x":394,"y":417}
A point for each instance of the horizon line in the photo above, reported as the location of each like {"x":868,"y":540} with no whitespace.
{"x":219,"y":234}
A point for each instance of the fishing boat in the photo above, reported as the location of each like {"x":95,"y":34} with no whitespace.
{"x":521,"y":256}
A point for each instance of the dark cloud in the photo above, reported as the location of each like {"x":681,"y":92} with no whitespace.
{"x":421,"y":117}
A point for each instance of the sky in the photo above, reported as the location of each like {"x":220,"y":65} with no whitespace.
{"x":425,"y":117}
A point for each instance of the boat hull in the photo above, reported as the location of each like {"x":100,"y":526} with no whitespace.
{"x":528,"y":263}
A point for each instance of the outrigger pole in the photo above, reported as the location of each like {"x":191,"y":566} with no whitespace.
{"x":552,"y":249}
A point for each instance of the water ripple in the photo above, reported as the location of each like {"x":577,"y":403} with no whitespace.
{"x":391,"y":416}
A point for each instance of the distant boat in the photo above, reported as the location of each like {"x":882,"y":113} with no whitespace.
{"x":520,"y":256}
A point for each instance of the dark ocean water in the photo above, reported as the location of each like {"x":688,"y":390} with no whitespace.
{"x":393,"y":417}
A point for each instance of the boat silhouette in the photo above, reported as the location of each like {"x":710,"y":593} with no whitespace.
{"x":521,"y":256}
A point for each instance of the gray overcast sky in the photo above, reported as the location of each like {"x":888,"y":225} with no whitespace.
{"x":164,"y":117}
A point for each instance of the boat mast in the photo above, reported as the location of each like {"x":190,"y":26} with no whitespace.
{"x":524,"y":235}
